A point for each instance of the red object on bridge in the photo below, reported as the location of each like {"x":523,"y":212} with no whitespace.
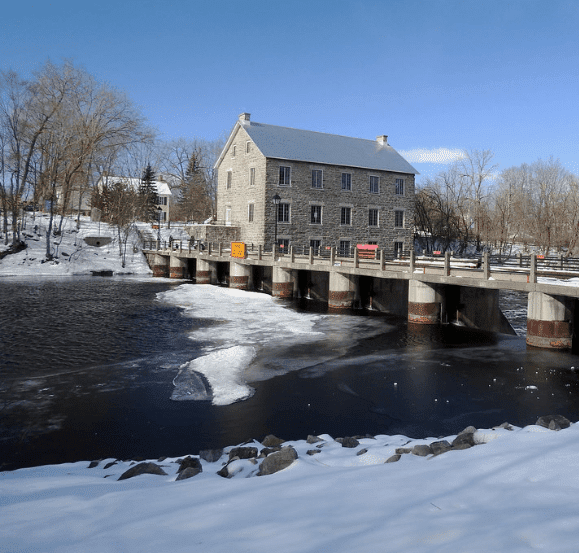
{"x":366,"y":251}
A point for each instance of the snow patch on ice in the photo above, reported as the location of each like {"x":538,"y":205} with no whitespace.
{"x":222,"y":369}
{"x":280,"y":340}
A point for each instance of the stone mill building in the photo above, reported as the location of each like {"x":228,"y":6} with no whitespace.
{"x":324,"y":190}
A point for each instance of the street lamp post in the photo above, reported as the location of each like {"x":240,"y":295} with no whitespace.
{"x":159,"y":210}
{"x":276,"y":199}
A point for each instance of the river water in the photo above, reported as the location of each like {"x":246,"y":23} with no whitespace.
{"x":94,"y":368}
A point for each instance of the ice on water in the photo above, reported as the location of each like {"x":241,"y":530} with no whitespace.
{"x":257,"y":338}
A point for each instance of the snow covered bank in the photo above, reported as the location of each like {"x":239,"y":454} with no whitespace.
{"x":72,"y":254}
{"x":516,"y":492}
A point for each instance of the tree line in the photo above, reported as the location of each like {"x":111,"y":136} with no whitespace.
{"x":64,"y":136}
{"x":472,"y":204}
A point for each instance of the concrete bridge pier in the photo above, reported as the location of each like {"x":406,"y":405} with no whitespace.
{"x":206,"y":272}
{"x":549,"y":321}
{"x":424,"y":302}
{"x":476,"y":308}
{"x":160,"y":265}
{"x":239,"y":276}
{"x":282,"y":283}
{"x":342,"y":292}
{"x":177,"y":267}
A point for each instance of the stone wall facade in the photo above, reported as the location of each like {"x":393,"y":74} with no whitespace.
{"x":246,"y":178}
{"x":214,"y":233}
{"x":301,"y":196}
{"x":234,"y":200}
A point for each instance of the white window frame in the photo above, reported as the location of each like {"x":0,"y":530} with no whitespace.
{"x":316,"y":244}
{"x":248,"y":147}
{"x":317,"y":178}
{"x":284,"y":212}
{"x":399,"y":218}
{"x":342,"y":246}
{"x":229,"y":180}
{"x":348,"y":187}
{"x":252,"y":176}
{"x":398,"y":248}
{"x":399,"y":187}
{"x":313,"y":209}
{"x":346,"y":216}
{"x":285,"y":175}
{"x":250,"y":212}
{"x":374,"y":182}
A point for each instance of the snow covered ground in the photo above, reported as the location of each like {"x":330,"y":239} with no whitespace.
{"x":72,"y":255}
{"x":515,"y":493}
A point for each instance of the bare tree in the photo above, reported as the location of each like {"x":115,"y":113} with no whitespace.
{"x":477,"y":168}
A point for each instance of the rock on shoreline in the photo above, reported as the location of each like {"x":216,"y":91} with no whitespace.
{"x":274,"y":454}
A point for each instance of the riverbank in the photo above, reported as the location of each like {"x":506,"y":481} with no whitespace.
{"x":514,"y":491}
{"x":73,"y":255}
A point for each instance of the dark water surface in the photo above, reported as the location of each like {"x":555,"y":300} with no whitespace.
{"x":87,"y":368}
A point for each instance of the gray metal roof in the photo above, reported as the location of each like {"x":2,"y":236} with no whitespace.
{"x":316,"y":147}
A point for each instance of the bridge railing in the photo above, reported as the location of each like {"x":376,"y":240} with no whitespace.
{"x":519,"y":263}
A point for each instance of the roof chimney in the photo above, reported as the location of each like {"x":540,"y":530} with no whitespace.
{"x":244,"y":117}
{"x":382,"y":139}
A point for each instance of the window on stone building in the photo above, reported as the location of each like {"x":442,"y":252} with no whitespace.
{"x":251,"y":176}
{"x":250,"y":212}
{"x":284,"y":175}
{"x":344,"y":248}
{"x":400,"y":187}
{"x":373,"y":217}
{"x":229,"y":179}
{"x":374,"y":184}
{"x":283,"y":213}
{"x":317,"y":178}
{"x":316,"y":215}
{"x":346,"y":216}
{"x":346,"y":181}
{"x":398,"y":218}
{"x":398,"y":249}
{"x":283,"y":245}
{"x":316,"y":245}
{"x":247,"y":147}
{"x":233,"y":150}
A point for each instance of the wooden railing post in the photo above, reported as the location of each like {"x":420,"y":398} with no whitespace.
{"x":356,"y":258}
{"x":486,"y":266}
{"x":412,"y":259}
{"x":220,"y":249}
{"x":259,"y":252}
{"x":382,"y":260}
{"x":333,"y":256}
{"x":311,"y":255}
{"x":533,"y":269}
{"x":447,"y":263}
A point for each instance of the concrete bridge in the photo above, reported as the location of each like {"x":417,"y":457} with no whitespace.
{"x":426,"y":290}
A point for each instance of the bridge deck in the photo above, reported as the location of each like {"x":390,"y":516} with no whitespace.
{"x":439,"y":271}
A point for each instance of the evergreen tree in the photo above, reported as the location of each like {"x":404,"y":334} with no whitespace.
{"x":194,"y":201}
{"x":148,"y":195}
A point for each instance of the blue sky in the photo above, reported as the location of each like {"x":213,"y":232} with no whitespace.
{"x":431,"y":74}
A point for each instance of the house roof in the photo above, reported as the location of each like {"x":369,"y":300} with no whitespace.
{"x":316,"y":147}
{"x":161,"y":186}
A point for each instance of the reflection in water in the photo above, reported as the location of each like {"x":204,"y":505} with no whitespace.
{"x":87,"y":369}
